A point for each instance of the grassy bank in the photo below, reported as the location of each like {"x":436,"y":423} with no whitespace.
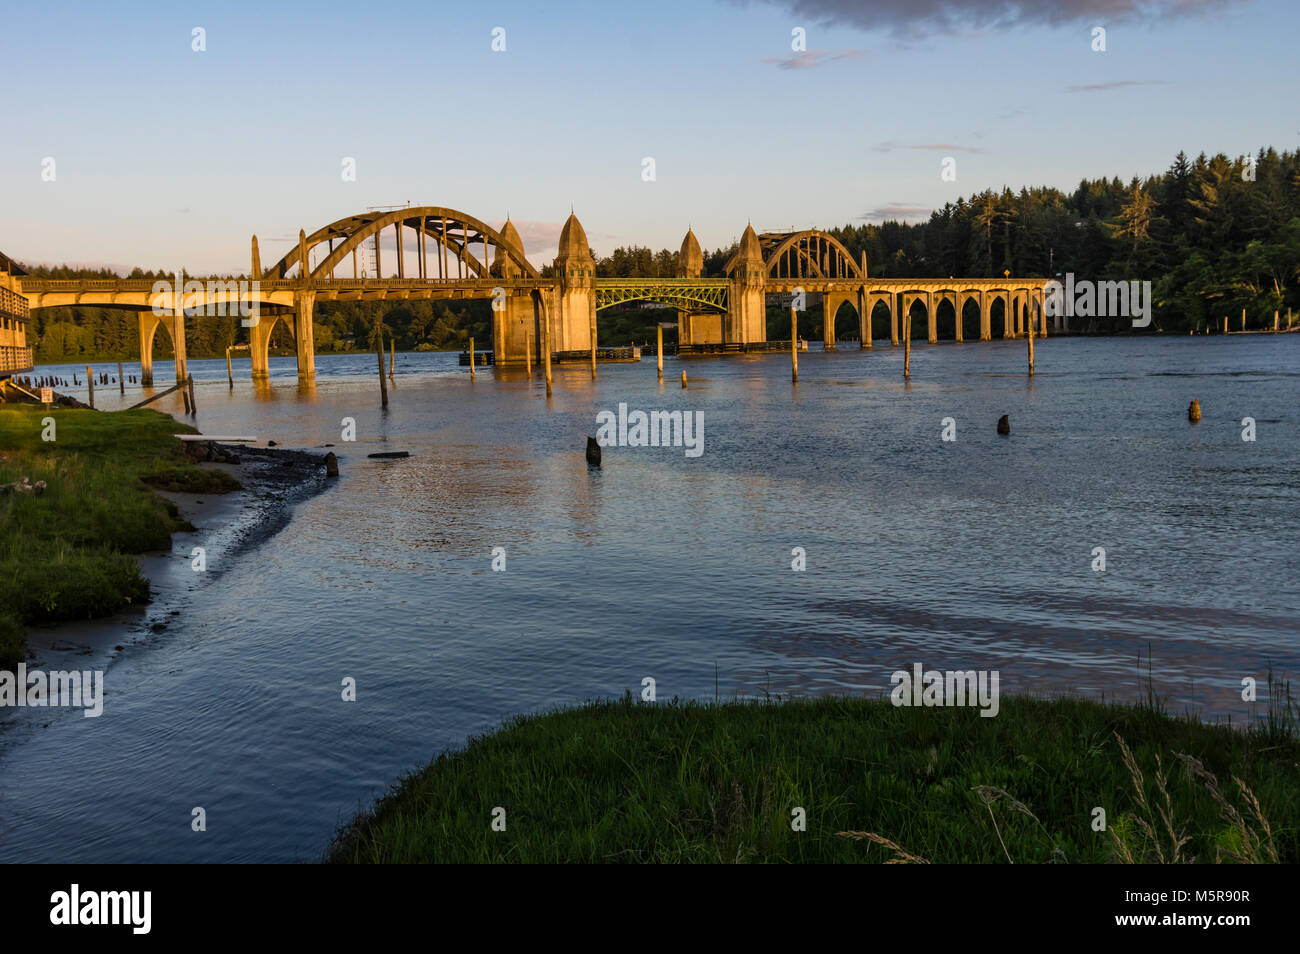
{"x":624,"y":781}
{"x":65,"y":554}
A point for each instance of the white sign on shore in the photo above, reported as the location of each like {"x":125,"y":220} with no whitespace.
{"x":47,"y":395}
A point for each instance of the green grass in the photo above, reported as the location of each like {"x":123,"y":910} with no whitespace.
{"x":65,"y":554}
{"x":624,"y":781}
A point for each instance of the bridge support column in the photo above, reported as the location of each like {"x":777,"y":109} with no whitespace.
{"x":304,"y":301}
{"x":830,"y":306}
{"x":746,"y":319}
{"x":147,"y":322}
{"x":1008,"y":319}
{"x":864,"y":316}
{"x":893,"y":319}
{"x":959,"y":306}
{"x":515,"y":332}
{"x":986,"y":317}
{"x":178,"y":345}
{"x":259,"y":343}
{"x":932,"y":317}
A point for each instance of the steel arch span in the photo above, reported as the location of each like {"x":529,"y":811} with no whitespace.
{"x":456,"y":234}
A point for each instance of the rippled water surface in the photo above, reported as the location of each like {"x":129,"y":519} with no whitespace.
{"x":971,"y":554}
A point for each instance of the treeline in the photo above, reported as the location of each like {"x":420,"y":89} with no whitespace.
{"x":1214,"y":235}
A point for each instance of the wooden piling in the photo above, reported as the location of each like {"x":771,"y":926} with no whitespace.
{"x":907,"y":349}
{"x":471,"y":358}
{"x":230,"y":374}
{"x":194,"y":407}
{"x":683,"y":379}
{"x":1243,"y":319}
{"x":528,"y":353}
{"x":379,"y":350}
{"x":1031,"y":346}
{"x":794,"y":345}
{"x":546,"y":352}
{"x":121,"y":381}
{"x":659,"y":350}
{"x":392,"y":361}
{"x":90,"y":383}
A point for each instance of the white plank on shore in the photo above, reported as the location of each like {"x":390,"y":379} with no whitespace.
{"x":211,"y":437}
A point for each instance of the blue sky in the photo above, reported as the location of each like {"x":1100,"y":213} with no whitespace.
{"x":166,"y":157}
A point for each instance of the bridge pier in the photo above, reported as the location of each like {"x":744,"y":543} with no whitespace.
{"x":746,"y":319}
{"x":259,"y":343}
{"x":931,"y":318}
{"x":575,"y":293}
{"x":864,"y":315}
{"x":518,"y":332}
{"x":304,"y":301}
{"x":147,"y":322}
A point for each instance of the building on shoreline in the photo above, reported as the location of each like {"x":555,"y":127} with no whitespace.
{"x":15,"y":353}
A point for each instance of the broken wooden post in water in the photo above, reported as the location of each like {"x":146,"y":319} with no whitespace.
{"x":160,"y":394}
{"x":907,"y":349}
{"x":121,"y":380}
{"x":230,"y":374}
{"x":90,"y":383}
{"x":528,"y":353}
{"x":471,"y":358}
{"x":392,"y":360}
{"x":194,"y":408}
{"x":683,"y":378}
{"x":659,"y":350}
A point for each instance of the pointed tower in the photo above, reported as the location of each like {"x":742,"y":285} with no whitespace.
{"x":746,"y":304}
{"x":695,"y":327}
{"x":690,"y":261}
{"x":575,"y":275}
{"x":515,"y":327}
{"x":502,"y":265}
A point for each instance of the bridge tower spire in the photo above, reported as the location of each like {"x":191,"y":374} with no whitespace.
{"x":575,"y":291}
{"x":693,"y":326}
{"x":746,"y":320}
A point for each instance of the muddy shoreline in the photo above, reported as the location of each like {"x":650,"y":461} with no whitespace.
{"x":226,"y":526}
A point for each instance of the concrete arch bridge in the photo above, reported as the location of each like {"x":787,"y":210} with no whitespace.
{"x":442,"y":253}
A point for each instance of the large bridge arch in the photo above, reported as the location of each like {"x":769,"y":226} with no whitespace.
{"x":810,"y":253}
{"x":456,"y":232}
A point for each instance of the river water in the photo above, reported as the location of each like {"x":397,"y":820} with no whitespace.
{"x":976,"y":553}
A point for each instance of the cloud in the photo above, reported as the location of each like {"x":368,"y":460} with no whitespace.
{"x":929,"y":146}
{"x":954,"y":17}
{"x":1117,"y":84}
{"x":896,"y":211}
{"x":811,"y":58}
